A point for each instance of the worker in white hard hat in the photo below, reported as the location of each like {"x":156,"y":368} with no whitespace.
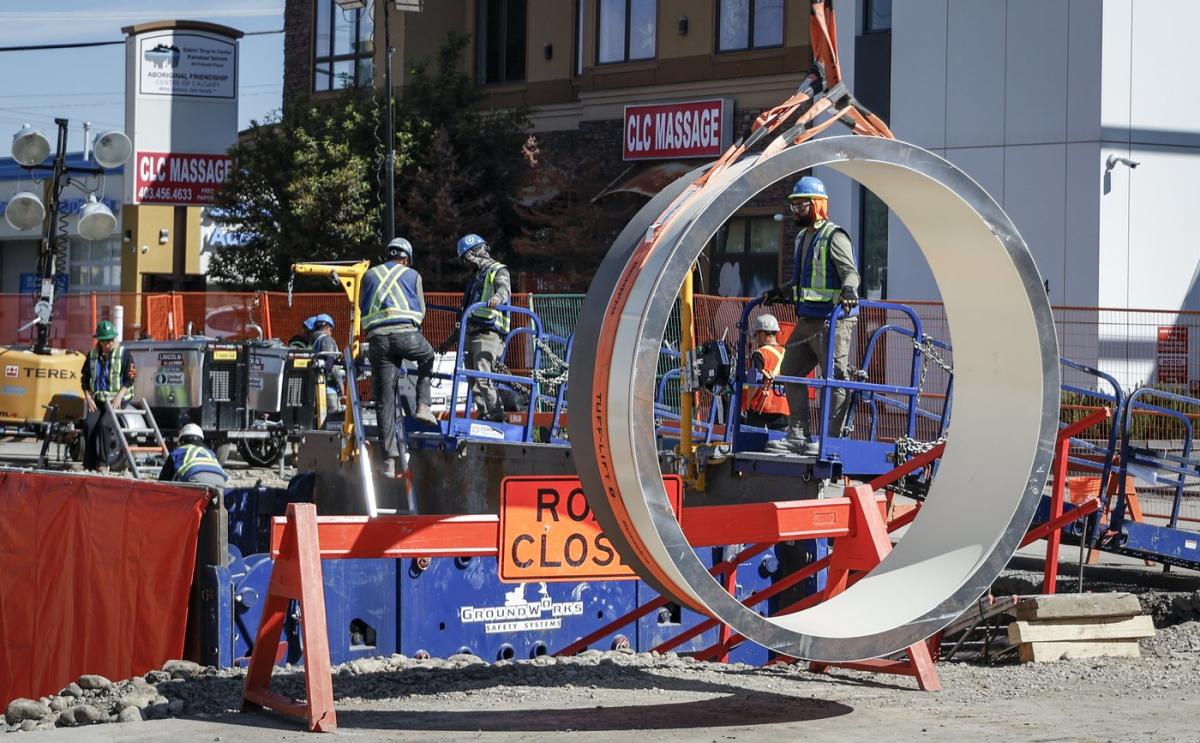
{"x":192,"y":461}
{"x":392,"y":304}
{"x":765,"y":405}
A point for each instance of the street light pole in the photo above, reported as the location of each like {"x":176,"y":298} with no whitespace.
{"x":52,"y":245}
{"x":389,"y":208}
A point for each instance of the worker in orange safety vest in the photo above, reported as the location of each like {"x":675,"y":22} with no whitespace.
{"x":766,"y":405}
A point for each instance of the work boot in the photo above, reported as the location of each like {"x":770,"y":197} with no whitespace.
{"x":425,"y":415}
{"x":388,"y":468}
{"x":793,"y":445}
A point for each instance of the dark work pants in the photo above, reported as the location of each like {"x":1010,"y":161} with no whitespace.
{"x":483,"y":351}
{"x":93,"y":439}
{"x":94,"y":451}
{"x":806,"y":349}
{"x":387,"y":351}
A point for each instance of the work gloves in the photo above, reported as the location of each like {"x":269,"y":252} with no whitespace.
{"x":849,"y":298}
{"x":773,"y":296}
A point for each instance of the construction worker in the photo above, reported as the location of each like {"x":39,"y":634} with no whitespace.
{"x":303,"y":339}
{"x":191,"y":461}
{"x":326,"y":347}
{"x":823,"y":276}
{"x":392,"y":304}
{"x":108,"y":374}
{"x":486,"y":326}
{"x":765,"y":406}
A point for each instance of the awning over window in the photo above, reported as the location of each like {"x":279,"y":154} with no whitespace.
{"x":647,"y":181}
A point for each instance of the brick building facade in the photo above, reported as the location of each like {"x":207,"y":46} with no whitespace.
{"x":577,"y":64}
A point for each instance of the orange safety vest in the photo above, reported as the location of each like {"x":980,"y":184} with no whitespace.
{"x":768,"y":399}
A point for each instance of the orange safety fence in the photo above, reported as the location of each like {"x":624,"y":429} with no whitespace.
{"x":96,"y":577}
{"x":1138,"y":346}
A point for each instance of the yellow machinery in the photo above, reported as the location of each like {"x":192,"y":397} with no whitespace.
{"x":40,"y":387}
{"x":348,"y":275}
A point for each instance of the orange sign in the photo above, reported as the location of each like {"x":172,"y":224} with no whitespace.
{"x":548,"y":532}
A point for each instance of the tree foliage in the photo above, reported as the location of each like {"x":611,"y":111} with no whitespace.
{"x":465,"y":168}
{"x":307,"y":184}
{"x":303,"y":188}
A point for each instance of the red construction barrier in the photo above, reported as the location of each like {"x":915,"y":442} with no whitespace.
{"x":95,"y":574}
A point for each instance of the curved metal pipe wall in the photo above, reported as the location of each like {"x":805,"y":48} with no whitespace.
{"x":1006,"y":398}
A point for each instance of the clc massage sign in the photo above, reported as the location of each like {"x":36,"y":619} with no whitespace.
{"x":179,"y":178}
{"x":695,"y":129}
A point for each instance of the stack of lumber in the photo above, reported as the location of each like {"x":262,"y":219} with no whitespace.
{"x":1082,"y":625}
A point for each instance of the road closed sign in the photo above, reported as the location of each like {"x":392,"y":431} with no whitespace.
{"x":548,"y":532}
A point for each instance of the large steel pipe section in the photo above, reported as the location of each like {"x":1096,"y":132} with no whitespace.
{"x":1005,"y":399}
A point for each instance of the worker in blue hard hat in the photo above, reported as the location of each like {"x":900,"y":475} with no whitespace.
{"x":303,"y":339}
{"x":326,"y":348}
{"x":192,"y":461}
{"x":392,"y":304}
{"x":824,"y":276}
{"x":487,"y":326}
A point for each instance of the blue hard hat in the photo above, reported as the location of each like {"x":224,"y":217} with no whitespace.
{"x":808,"y":187}
{"x":310,"y":323}
{"x":469,"y":243}
{"x":323,"y":318}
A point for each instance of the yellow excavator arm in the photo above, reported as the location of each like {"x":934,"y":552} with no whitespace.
{"x":346,"y":274}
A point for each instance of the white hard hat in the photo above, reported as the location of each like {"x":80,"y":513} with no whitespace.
{"x":191,"y":430}
{"x":766,"y":323}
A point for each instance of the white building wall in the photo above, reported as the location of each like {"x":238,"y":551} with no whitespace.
{"x":1008,"y":91}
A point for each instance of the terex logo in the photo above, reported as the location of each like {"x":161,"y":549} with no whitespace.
{"x":11,"y":370}
{"x":51,"y":373}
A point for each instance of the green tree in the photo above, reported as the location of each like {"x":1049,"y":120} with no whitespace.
{"x":307,"y":185}
{"x":465,"y":167}
{"x":303,"y":188}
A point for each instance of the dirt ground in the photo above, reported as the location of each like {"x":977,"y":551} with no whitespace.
{"x":618,"y":696}
{"x":668,"y":699}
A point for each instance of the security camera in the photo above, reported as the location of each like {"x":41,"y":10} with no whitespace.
{"x":1114,"y":160}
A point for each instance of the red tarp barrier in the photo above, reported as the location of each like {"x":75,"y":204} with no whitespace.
{"x":95,"y":574}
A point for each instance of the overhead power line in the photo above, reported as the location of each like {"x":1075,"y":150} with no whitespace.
{"x":84,"y":44}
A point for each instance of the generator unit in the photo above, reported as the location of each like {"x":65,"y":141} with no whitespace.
{"x":194,"y":380}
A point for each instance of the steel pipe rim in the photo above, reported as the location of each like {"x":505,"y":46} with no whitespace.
{"x":978,"y":257}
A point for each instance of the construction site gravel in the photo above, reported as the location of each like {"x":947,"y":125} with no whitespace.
{"x":621,"y":695}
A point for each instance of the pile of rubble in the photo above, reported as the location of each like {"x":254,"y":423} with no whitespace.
{"x":94,"y":699}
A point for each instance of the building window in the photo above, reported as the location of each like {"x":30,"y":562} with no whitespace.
{"x":94,"y":265}
{"x":500,"y":41}
{"x":744,"y":257}
{"x":344,"y":50}
{"x":579,"y":38}
{"x":877,"y":16}
{"x":749,"y":24}
{"x":627,"y":30}
{"x":874,"y":258}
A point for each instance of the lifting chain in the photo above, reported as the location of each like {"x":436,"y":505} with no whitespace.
{"x":905,"y":446}
{"x":926,"y":348}
{"x":552,"y":377}
{"x":557,"y":372}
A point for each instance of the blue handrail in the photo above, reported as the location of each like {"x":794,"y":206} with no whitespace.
{"x":465,"y":375}
{"x":1130,"y":454}
{"x":827,"y":384}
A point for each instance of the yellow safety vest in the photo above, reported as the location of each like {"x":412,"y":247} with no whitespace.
{"x":489,"y":316}
{"x":815,"y":276}
{"x":114,"y":373}
{"x":395,"y":298}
